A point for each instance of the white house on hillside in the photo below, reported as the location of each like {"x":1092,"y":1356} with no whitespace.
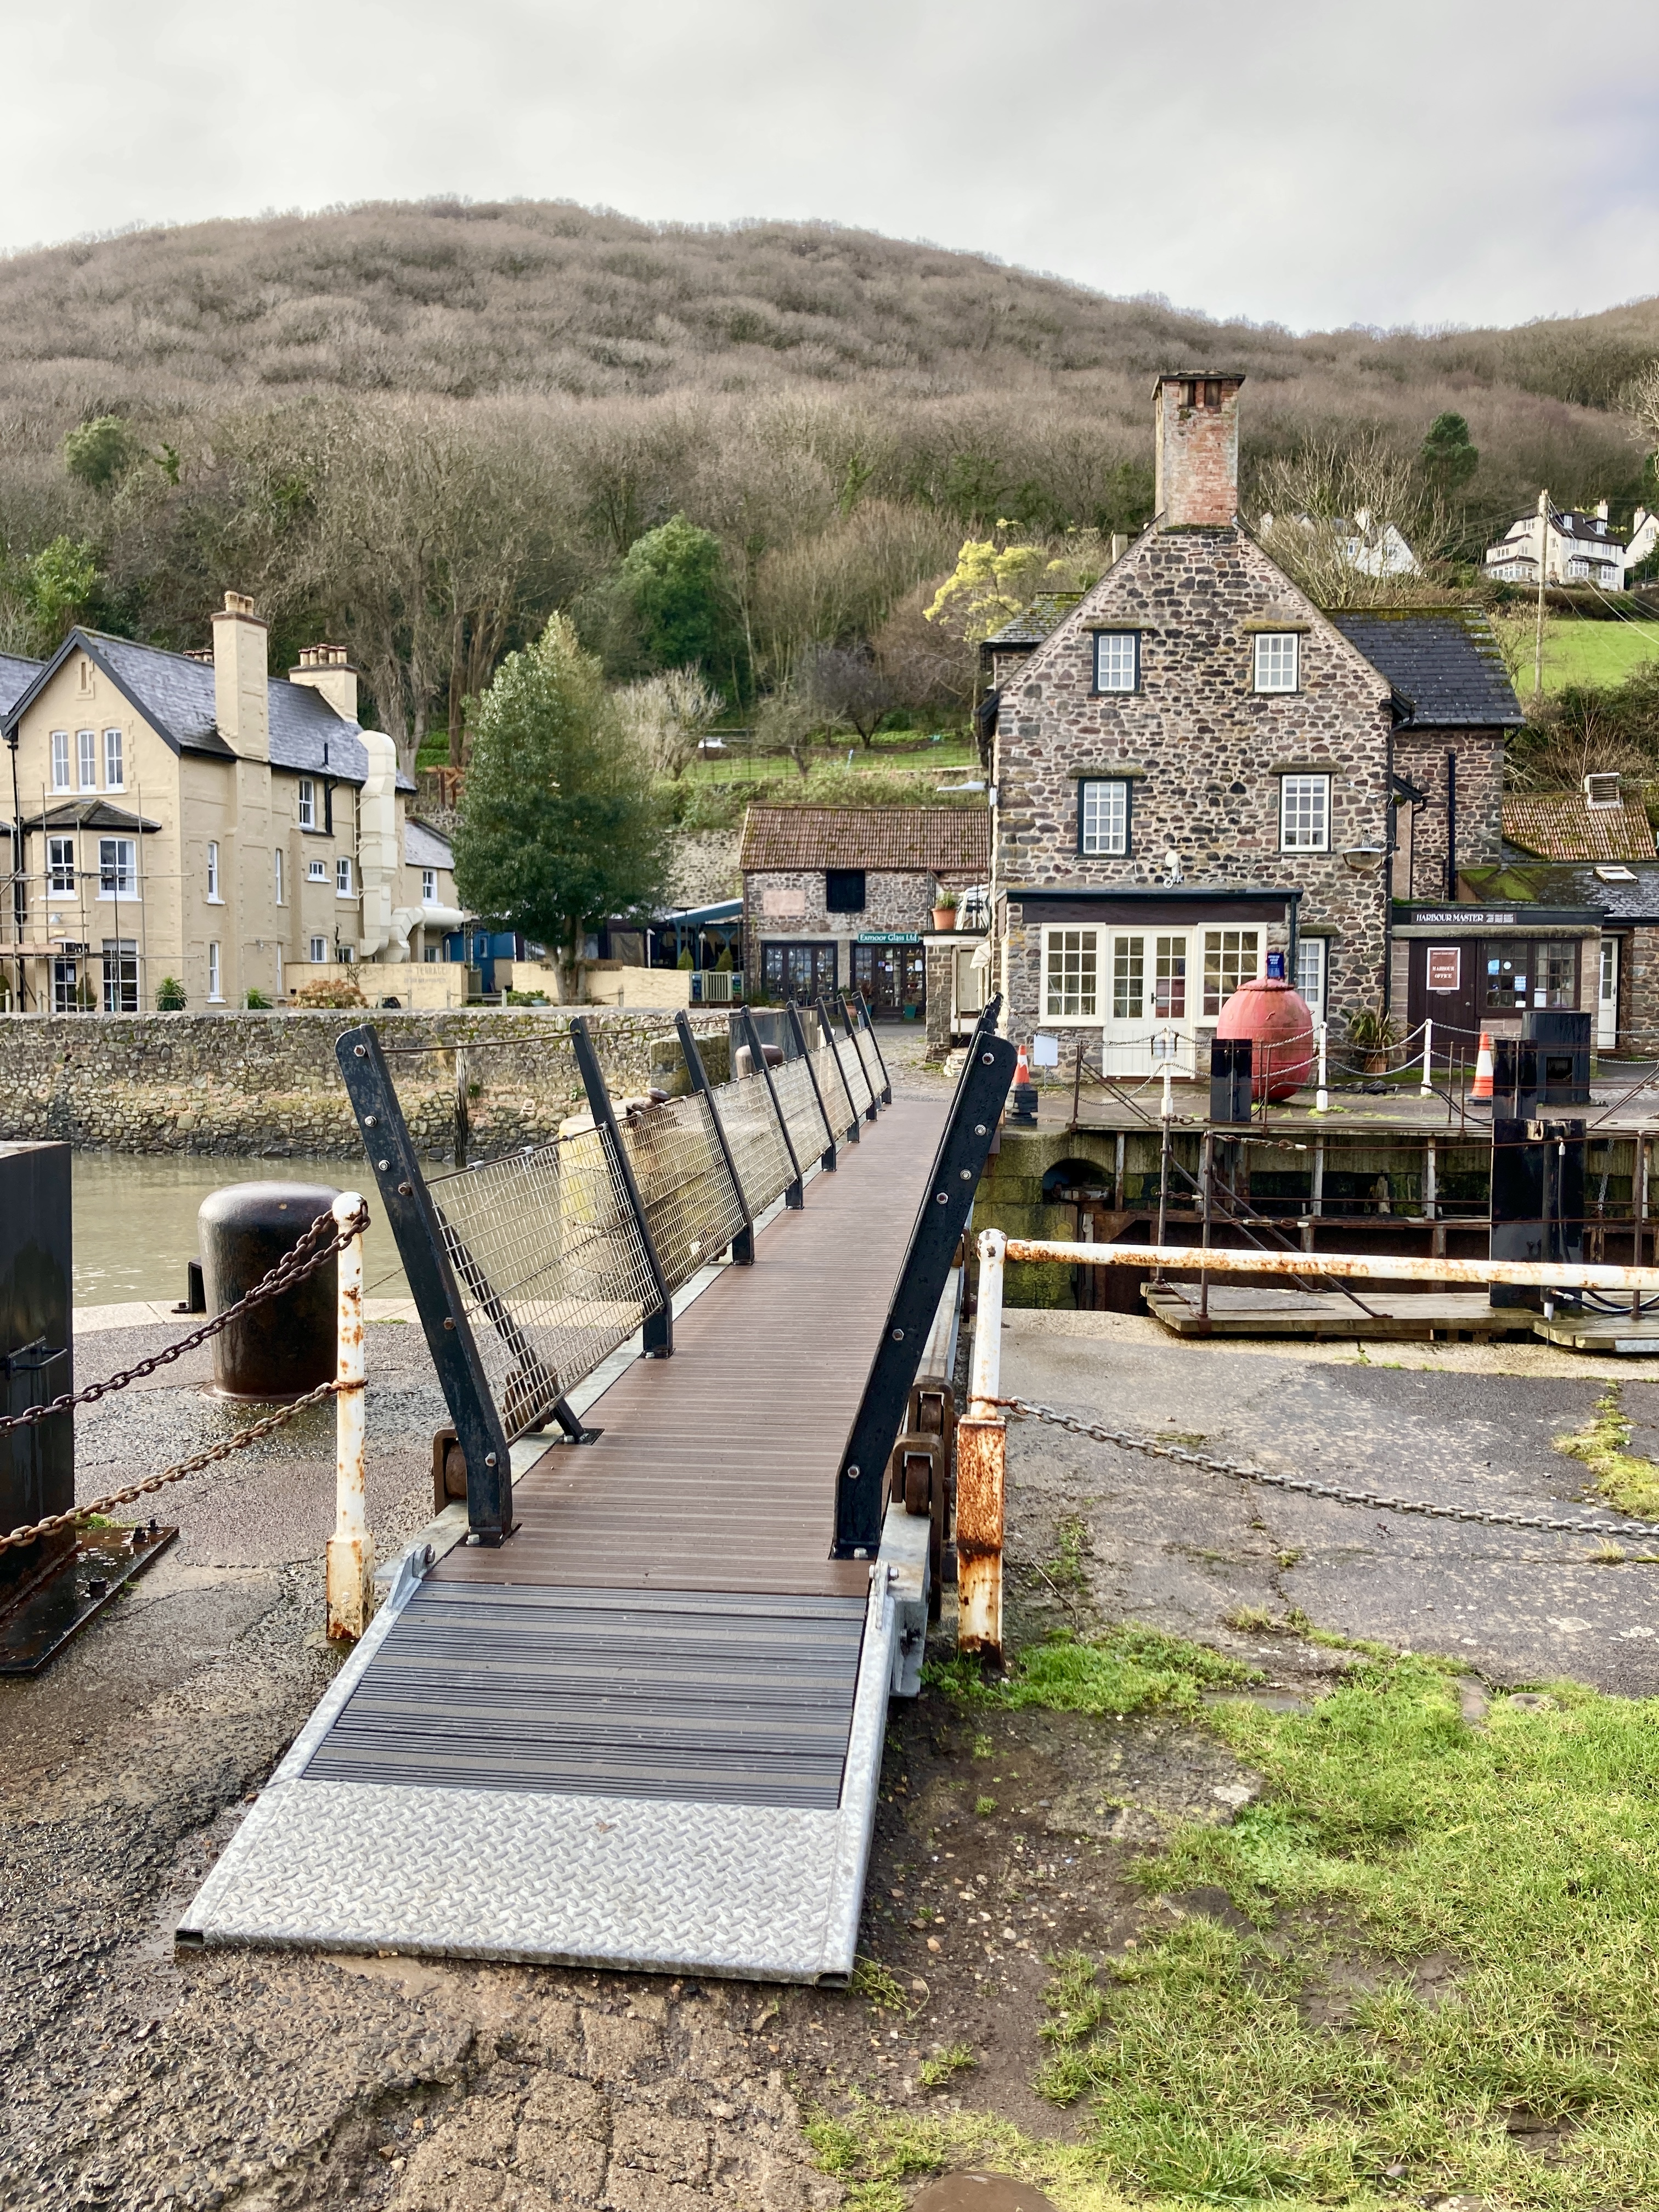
{"x":1579,"y":547}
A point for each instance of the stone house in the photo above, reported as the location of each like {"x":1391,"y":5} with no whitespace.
{"x":841,"y":898}
{"x":188,"y":815}
{"x":1195,"y":767}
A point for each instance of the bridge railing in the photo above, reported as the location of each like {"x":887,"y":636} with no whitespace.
{"x":529,"y":1269}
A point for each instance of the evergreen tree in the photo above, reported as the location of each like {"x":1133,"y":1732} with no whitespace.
{"x":1449,"y":458}
{"x":558,"y":828}
{"x":675,"y":579}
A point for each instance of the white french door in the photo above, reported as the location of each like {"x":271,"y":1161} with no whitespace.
{"x":1150,"y":1002}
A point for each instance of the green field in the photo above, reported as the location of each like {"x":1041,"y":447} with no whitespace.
{"x":1580,"y":652}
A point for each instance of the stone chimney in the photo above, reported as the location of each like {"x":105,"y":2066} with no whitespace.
{"x":1197,"y":463}
{"x":325,"y":669}
{"x":241,"y":700}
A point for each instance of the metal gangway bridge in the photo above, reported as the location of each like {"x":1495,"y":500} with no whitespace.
{"x":629,"y":1711}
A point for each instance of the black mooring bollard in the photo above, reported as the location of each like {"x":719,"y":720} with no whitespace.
{"x":286,"y":1347}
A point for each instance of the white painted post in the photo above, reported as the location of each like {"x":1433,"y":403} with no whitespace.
{"x":1322,"y":1103}
{"x":1427,"y":1091}
{"x":351,"y":1569}
{"x":981,"y":1450}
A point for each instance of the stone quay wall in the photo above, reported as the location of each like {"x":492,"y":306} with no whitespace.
{"x":269,"y":1082}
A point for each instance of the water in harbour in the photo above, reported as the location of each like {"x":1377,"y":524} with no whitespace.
{"x":135,"y":1220}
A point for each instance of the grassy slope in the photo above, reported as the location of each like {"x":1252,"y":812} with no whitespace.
{"x":1451,"y":1986}
{"x":1594,"y":652}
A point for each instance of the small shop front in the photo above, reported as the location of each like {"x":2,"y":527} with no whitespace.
{"x":1469,"y":968}
{"x":890,"y":967}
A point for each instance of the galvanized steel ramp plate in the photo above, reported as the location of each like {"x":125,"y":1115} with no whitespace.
{"x":663,"y":1781}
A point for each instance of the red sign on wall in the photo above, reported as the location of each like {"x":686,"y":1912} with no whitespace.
{"x":1445,"y":968}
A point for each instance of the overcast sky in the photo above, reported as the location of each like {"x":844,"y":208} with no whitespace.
{"x":1417,"y":161}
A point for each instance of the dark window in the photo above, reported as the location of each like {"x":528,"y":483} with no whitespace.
{"x":798,"y":971}
{"x":893,"y":977}
{"x":1519,"y":975}
{"x":844,"y":890}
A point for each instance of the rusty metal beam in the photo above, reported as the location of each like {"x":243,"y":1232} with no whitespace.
{"x":1376,"y":1267}
{"x":982,"y":1456}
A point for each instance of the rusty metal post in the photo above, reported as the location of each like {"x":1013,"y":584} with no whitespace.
{"x":350,"y":1570}
{"x":981,"y":1452}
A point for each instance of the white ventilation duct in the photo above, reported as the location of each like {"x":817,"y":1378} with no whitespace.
{"x":378,"y":857}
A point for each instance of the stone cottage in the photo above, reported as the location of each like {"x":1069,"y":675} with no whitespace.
{"x":841,"y":898}
{"x":1194,"y":766}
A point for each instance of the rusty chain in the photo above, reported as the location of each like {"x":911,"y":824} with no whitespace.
{"x":19,"y":1537}
{"x":307,"y":1256}
{"x":1243,"y":1471}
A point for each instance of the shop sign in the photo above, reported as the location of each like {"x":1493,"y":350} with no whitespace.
{"x":1445,"y":968}
{"x":888,"y":937}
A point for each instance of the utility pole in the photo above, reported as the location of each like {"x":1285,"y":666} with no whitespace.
{"x":1543,"y":551}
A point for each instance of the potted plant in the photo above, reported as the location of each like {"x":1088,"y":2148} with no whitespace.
{"x":1373,"y":1035}
{"x":945,"y":904}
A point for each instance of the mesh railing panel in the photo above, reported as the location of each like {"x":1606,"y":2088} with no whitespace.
{"x":551,"y":1267}
{"x":685,"y":1188}
{"x":752,"y":1131}
{"x":807,"y":1131}
{"x":851,"y":1068}
{"x":870,"y":1059}
{"x":832,"y":1086}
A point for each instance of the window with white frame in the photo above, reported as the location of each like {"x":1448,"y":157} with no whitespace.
{"x":1102,"y":816}
{"x":60,"y":760}
{"x":1310,"y":974}
{"x":1276,"y":660}
{"x":429,"y":887}
{"x":120,"y":976}
{"x":60,"y":866}
{"x":1304,"y":814}
{"x":1117,"y":660}
{"x":342,"y":879}
{"x":317,"y":871}
{"x":319,"y":949}
{"x":117,"y":867}
{"x":115,"y":773}
{"x":1231,"y":956}
{"x":86,"y":747}
{"x":348,"y":954}
{"x":213,"y":872}
{"x":216,"y":974}
{"x":276,"y":873}
{"x":308,"y":803}
{"x":1070,"y":971}
{"x":279,"y":971}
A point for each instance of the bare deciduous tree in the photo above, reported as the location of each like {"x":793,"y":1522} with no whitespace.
{"x":1323,"y":506}
{"x":668,"y":716}
{"x":849,"y":687}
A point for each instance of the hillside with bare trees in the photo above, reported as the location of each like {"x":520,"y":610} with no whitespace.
{"x":423,"y":427}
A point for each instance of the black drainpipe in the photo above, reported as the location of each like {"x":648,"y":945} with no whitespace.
{"x":1451,"y":829}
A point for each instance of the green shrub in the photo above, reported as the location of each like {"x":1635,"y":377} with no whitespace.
{"x":170,"y":996}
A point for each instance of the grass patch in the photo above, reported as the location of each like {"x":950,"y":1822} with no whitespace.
{"x":1126,"y":1669}
{"x":1628,"y":1482}
{"x":872,"y":2151}
{"x":933,"y":2073}
{"x":869,"y":1978}
{"x":1522,"y":1851}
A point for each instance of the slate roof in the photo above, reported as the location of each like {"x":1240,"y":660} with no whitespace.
{"x":174,"y":694}
{"x":16,"y":677}
{"x":946,"y":841}
{"x":425,"y":847}
{"x":1562,"y":825}
{"x":88,"y":814}
{"x":1442,"y":663}
{"x":1637,"y":901}
{"x":1032,"y":624}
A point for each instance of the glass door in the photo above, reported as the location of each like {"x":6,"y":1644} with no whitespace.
{"x":1149,"y":1017}
{"x":893,"y":977}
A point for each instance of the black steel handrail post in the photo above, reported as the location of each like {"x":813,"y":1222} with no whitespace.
{"x":413,"y":1217}
{"x":795,"y":1197}
{"x":874,"y":1108}
{"x":657,"y":1331}
{"x":826,"y":1023}
{"x":946,"y":1206}
{"x":875,"y":1046}
{"x":826,"y":1159}
{"x":743,"y":1244}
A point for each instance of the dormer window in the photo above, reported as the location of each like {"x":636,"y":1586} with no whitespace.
{"x":1277,"y":661}
{"x":1117,"y":660}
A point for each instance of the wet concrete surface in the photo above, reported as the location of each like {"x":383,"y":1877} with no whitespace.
{"x":1185,"y":1550}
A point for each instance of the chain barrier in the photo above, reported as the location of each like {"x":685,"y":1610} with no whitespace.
{"x":1241,"y":1471}
{"x":305,"y":1258}
{"x":19,"y":1537}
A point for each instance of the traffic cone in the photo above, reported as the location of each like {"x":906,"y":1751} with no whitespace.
{"x":1022,"y":1068}
{"x":1483,"y":1067}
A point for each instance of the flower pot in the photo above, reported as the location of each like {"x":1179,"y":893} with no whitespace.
{"x":945,"y":917}
{"x":1376,"y":1063}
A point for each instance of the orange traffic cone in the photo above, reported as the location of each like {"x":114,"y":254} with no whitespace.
{"x":1483,"y":1068}
{"x":1023,"y":1068}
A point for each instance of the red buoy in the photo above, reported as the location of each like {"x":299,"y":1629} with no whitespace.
{"x":1277,"y":1020}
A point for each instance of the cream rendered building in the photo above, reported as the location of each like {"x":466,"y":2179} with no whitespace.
{"x":185,"y":815}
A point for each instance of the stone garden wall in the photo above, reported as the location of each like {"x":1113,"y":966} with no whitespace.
{"x":268,"y":1082}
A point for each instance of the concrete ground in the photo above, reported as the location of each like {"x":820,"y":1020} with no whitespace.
{"x":136,"y":2077}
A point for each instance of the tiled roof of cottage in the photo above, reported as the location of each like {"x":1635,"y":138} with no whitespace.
{"x":947,"y":840}
{"x":1442,"y":662}
{"x":175,"y":693}
{"x":16,"y":677}
{"x":1562,"y":825}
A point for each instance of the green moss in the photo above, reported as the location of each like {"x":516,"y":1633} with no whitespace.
{"x":1627,"y":1481}
{"x":1128,"y":1669}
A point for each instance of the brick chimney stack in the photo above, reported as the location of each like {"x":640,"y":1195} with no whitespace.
{"x":1197,"y":463}
{"x":327,"y":669}
{"x":242,"y":698}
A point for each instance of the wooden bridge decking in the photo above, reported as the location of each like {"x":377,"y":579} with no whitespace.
{"x":717,"y":1468}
